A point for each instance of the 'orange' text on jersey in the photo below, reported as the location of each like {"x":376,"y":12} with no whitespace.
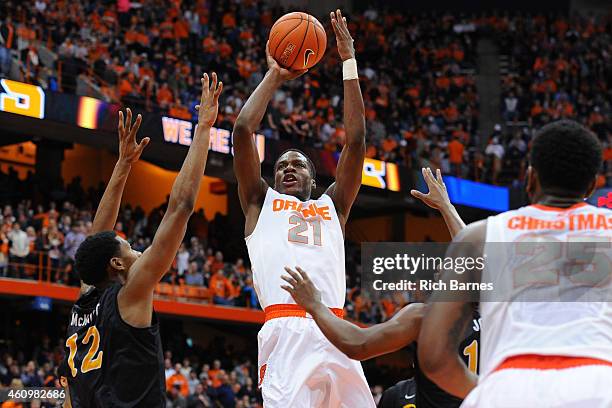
{"x":312,"y":210}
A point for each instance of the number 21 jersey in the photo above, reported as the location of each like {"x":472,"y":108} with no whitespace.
{"x":290,"y":232}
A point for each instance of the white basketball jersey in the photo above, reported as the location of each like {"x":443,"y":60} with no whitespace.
{"x":290,"y":232}
{"x":578,"y":327}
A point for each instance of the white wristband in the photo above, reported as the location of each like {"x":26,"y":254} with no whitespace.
{"x":349,"y":69}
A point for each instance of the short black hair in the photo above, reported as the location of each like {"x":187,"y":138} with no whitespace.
{"x":311,"y":166}
{"x":566,"y":156}
{"x":93,"y":255}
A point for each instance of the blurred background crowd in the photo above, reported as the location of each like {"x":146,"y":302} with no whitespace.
{"x":417,"y":73}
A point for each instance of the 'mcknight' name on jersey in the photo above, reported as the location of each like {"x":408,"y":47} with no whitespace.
{"x":84,"y":320}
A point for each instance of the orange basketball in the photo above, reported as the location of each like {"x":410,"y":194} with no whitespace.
{"x":297,"y":41}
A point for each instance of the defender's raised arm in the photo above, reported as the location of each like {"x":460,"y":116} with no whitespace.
{"x":156,"y":260}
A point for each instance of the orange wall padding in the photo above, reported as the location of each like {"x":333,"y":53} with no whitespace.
{"x":147,"y":186}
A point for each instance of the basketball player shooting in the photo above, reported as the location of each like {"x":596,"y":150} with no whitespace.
{"x":535,"y":352}
{"x":284,"y":226}
{"x":113,"y":347}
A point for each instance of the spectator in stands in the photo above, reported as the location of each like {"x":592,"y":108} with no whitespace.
{"x":178,"y":380}
{"x":193,"y":381}
{"x":168,"y":369}
{"x":19,"y":250}
{"x":218,"y":262}
{"x":199,"y":398}
{"x":222,"y":288}
{"x":248,"y":293}
{"x":224,"y":394}
{"x":194,"y":276}
{"x":175,"y":398}
{"x":7,"y":36}
{"x":511,"y":107}
{"x":30,"y":377}
{"x":214,"y":372}
{"x":495,"y":153}
{"x":455,"y":151}
{"x":182,"y":260}
{"x":73,"y":239}
{"x":4,"y":253}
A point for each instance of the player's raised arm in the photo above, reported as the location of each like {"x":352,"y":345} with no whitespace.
{"x":251,"y":187}
{"x":350,"y":166}
{"x":446,"y":322}
{"x":437,"y":198}
{"x":129,"y":153}
{"x":148,"y":269}
{"x":356,"y":342}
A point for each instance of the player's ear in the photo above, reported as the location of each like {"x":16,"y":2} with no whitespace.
{"x":117,"y":263}
{"x":314,"y":184}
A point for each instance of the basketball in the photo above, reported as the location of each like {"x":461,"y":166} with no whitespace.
{"x":297,"y":41}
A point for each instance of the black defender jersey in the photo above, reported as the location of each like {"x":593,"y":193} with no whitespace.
{"x":429,"y":395}
{"x":109,"y":363}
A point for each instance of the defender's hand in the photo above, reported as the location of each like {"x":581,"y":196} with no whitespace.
{"x":437,"y":197}
{"x":209,"y":101}
{"x":129,"y":150}
{"x":344,"y":41}
{"x":284,"y":74}
{"x":301,"y":288}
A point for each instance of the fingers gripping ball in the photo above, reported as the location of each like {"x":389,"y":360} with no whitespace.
{"x":297,"y":41}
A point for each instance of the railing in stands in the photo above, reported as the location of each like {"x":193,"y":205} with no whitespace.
{"x":41,"y":267}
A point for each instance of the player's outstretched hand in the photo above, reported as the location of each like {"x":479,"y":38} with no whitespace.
{"x":344,"y":41}
{"x":209,"y":100}
{"x":437,"y":197}
{"x":129,"y":150}
{"x":285,"y":74}
{"x":301,"y":288}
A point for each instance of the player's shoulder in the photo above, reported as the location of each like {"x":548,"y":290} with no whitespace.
{"x":474,"y":233}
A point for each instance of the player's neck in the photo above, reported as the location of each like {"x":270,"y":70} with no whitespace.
{"x":551,"y":200}
{"x":104,"y":285}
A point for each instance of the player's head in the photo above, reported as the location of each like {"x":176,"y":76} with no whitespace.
{"x":564,"y":161}
{"x":104,"y":257}
{"x":294,"y":174}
